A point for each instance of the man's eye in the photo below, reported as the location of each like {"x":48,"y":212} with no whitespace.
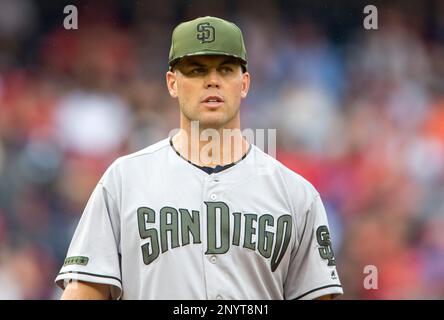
{"x":226,"y":70}
{"x":197,"y":71}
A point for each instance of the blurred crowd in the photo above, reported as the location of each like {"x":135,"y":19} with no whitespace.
{"x":359,"y":113}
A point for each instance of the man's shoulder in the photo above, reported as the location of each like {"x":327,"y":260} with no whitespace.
{"x":290,"y":178}
{"x":153,"y":152}
{"x":134,"y":165}
{"x":153,"y":149}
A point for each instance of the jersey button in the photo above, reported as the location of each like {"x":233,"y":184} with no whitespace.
{"x":213,"y":197}
{"x":213,"y":259}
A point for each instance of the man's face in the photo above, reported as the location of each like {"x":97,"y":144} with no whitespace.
{"x":209,"y":89}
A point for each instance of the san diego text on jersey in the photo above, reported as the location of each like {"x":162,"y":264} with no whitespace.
{"x":176,"y":225}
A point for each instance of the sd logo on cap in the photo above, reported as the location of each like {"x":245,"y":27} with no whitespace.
{"x":207,"y":36}
{"x":205,"y":32}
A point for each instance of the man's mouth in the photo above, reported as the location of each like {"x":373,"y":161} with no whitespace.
{"x":213,"y":101}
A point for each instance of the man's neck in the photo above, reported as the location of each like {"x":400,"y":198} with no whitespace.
{"x":211,"y":147}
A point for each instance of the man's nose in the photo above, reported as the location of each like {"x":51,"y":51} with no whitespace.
{"x":212,"y":79}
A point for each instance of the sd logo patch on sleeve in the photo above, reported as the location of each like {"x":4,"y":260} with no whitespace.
{"x":325,"y":250}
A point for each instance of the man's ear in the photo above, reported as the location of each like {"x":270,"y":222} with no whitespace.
{"x":245,"y":84}
{"x":171,"y":81}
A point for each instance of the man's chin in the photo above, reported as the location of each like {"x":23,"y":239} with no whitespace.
{"x":211,"y":122}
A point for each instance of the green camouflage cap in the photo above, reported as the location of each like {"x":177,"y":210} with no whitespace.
{"x":207,"y":36}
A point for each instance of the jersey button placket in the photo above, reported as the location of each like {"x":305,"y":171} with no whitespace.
{"x":213,"y":193}
{"x":210,"y":261}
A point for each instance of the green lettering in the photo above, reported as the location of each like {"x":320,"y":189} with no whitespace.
{"x":222,"y":207}
{"x":282,"y":240}
{"x":236,"y":232}
{"x":171,"y":227}
{"x":147,"y":215}
{"x":189,"y":224}
{"x":265,"y":238}
{"x":250,"y":231}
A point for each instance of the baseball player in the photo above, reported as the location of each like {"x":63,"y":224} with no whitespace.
{"x":177,"y":220}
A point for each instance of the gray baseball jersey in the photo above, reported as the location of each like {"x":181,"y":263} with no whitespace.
{"x":158,"y":227}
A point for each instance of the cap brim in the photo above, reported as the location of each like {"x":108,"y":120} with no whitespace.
{"x":206,"y":53}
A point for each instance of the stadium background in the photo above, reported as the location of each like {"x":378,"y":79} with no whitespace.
{"x":359,"y":113}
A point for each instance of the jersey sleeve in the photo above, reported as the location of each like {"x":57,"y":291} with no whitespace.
{"x":93,"y":254}
{"x":312,"y":272}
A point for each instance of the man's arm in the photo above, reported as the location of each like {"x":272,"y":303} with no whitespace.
{"x":81,"y":290}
